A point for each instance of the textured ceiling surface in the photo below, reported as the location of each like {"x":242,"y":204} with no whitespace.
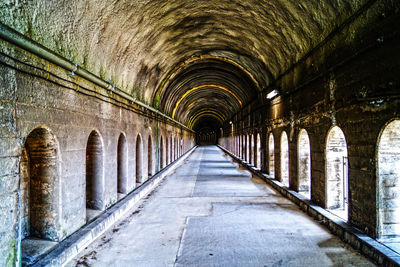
{"x":190,"y":59}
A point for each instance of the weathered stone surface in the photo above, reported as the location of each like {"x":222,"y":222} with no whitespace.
{"x":41,"y":104}
{"x":210,"y":65}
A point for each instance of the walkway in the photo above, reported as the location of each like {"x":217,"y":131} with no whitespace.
{"x":212,"y":213}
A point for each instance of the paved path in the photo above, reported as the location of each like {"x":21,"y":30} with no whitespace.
{"x":211,"y":213}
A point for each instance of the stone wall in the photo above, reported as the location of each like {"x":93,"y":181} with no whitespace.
{"x":356,"y":87}
{"x":46,"y":151}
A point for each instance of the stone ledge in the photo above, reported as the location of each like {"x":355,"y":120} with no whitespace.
{"x":371,"y":248}
{"x":71,"y":246}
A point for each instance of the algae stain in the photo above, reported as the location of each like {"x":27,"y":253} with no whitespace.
{"x":157,"y":101}
{"x":12,"y":255}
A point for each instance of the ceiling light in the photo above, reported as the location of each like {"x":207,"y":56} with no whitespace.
{"x":272,"y":94}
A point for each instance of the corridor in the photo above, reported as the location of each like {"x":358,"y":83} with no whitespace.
{"x":212,"y":213}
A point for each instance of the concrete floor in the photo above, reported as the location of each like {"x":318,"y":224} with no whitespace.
{"x":211,"y":213}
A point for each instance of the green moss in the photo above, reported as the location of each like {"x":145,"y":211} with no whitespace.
{"x":12,"y":254}
{"x":29,"y":31}
{"x":157,"y":101}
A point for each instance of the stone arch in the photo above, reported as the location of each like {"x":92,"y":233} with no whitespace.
{"x":259,"y":152}
{"x":40,"y":185}
{"x":304,"y":163}
{"x":150,"y":170}
{"x":94,"y":172}
{"x":284,"y":159}
{"x":388,"y":169}
{"x":139,"y":159}
{"x":271,"y":154}
{"x":122,"y":165}
{"x":336,"y":169}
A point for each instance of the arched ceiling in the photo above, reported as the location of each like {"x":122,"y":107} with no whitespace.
{"x":186,"y":58}
{"x":206,"y":84}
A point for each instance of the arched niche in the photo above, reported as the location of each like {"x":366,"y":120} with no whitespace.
{"x":94,"y":173}
{"x":337,"y":172}
{"x":259,"y":152}
{"x":122,"y":165}
{"x":271,"y":154}
{"x":388,"y":160}
{"x":284,"y":159}
{"x":171,"y":154}
{"x":166,"y":151}
{"x":150,"y":164}
{"x":304,"y":163}
{"x":161,"y":153}
{"x":40,"y":185}
{"x":139,"y":159}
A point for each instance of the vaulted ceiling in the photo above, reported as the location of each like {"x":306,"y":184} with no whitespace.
{"x":193,"y":60}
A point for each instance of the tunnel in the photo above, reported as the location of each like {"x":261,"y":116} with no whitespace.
{"x":110,"y":99}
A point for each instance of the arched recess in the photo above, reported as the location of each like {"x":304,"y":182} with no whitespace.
{"x":234,"y":140}
{"x":389,"y":181}
{"x":271,"y":154}
{"x":243,"y":154}
{"x":233,"y":147}
{"x":150,"y":164}
{"x":251,"y":149}
{"x":337,"y":173}
{"x":304,"y":163}
{"x":94,"y":172}
{"x":176,"y":147}
{"x":284,"y":159}
{"x":242,"y":147}
{"x":166,"y":151}
{"x":248,"y":148}
{"x":254,"y":136}
{"x":40,"y":185}
{"x":254,"y":149}
{"x":122,"y":162}
{"x":171,"y":153}
{"x":179,"y":148}
{"x":161,"y":154}
{"x":139,"y":159}
{"x":236,"y":147}
{"x":259,"y":152}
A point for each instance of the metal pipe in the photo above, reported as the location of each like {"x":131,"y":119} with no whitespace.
{"x":20,"y":40}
